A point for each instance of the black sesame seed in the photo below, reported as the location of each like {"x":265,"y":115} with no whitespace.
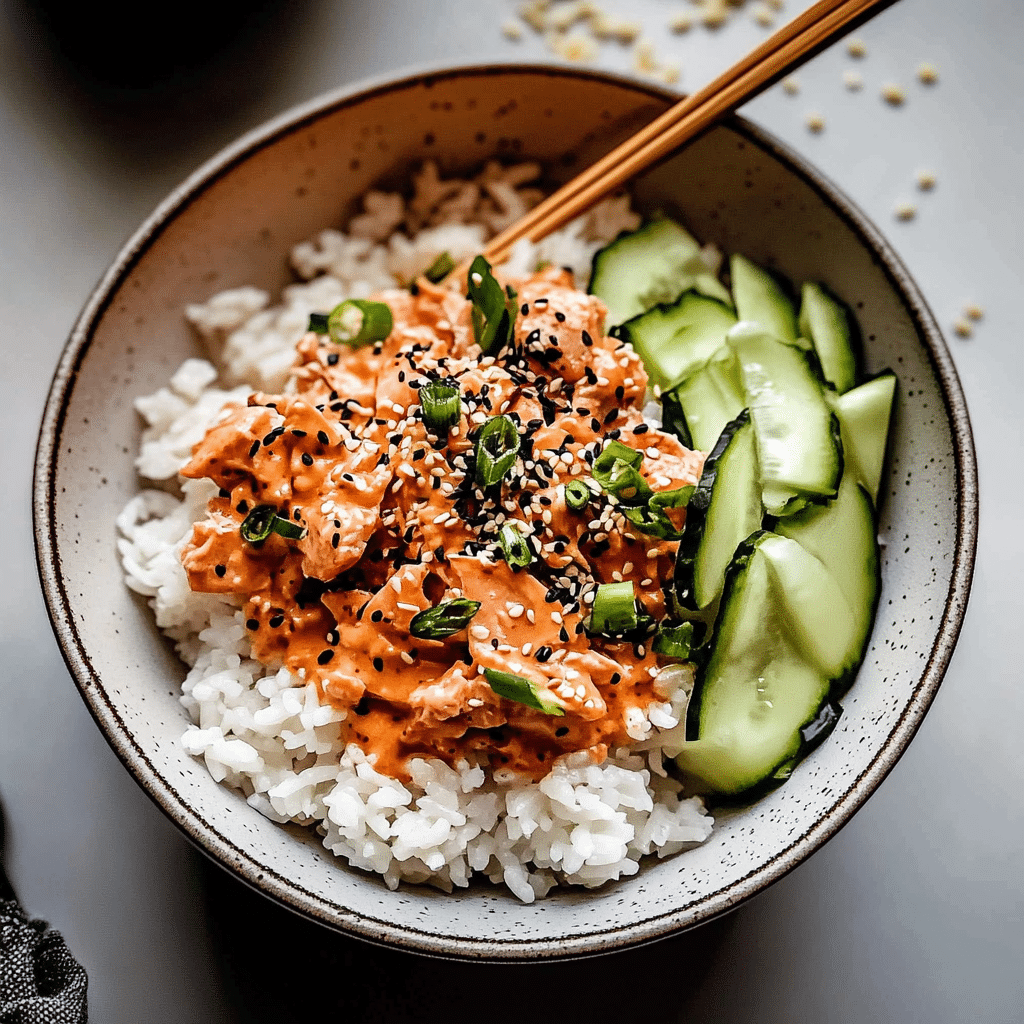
{"x":641,"y":428}
{"x":543,"y":653}
{"x":324,"y":656}
{"x":220,"y":570}
{"x":562,"y":731}
{"x":298,"y":433}
{"x":563,"y":635}
{"x":615,"y":679}
{"x":332,"y":359}
{"x":377,"y":615}
{"x":378,"y":664}
{"x":307,"y":459}
{"x":252,"y":624}
{"x":587,"y":339}
{"x":276,"y":621}
{"x":525,"y":308}
{"x":611,"y":416}
{"x":560,"y":317}
{"x":322,"y":437}
{"x":335,"y":540}
{"x":254,"y":449}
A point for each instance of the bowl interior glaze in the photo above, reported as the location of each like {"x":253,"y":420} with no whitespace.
{"x":233,"y":222}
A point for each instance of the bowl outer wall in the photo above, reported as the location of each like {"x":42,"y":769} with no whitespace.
{"x":230,"y":223}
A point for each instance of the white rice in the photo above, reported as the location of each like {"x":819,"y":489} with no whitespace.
{"x":263,"y":731}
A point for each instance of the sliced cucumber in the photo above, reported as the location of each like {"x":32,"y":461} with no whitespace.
{"x":673,"y":339}
{"x":724,"y":509}
{"x":824,"y":320}
{"x":816,"y":611}
{"x":760,"y":299}
{"x":710,"y":397}
{"x":864,"y":415}
{"x":756,"y":691}
{"x":651,"y":265}
{"x":842,"y":536}
{"x":798,"y":442}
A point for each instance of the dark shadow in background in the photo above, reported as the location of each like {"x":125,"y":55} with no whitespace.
{"x":279,"y":967}
{"x":164,"y":74}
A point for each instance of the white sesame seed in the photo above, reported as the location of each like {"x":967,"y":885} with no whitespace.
{"x":530,"y":617}
{"x":627,"y":568}
{"x":396,"y":584}
{"x":853,"y":80}
{"x":906,"y":211}
{"x":646,"y":582}
{"x":962,"y":328}
{"x":926,"y":181}
{"x":974,"y":312}
{"x":515,"y":611}
{"x":407,"y":657}
{"x":480,"y":632}
{"x":408,"y":607}
{"x":893,"y":94}
{"x":815,"y":123}
{"x":441,"y":519}
{"x":475,"y":702}
{"x":928,"y":74}
{"x":856,"y":48}
{"x":556,"y":618}
{"x":617,"y":576}
{"x":652,"y":552}
{"x":526,"y":648}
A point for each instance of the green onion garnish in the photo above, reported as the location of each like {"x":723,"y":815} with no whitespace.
{"x":444,"y":619}
{"x":652,"y":518}
{"x":263,"y":520}
{"x":523,"y":691}
{"x":674,"y":641}
{"x":440,"y":268}
{"x":496,"y":449}
{"x":514,"y":547}
{"x":617,"y":470}
{"x":358,"y":322}
{"x":577,"y":494}
{"x":494,"y":310}
{"x":614,"y":610}
{"x":440,"y":401}
{"x":318,"y":323}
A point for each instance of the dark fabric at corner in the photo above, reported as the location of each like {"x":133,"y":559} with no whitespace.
{"x":40,"y":981}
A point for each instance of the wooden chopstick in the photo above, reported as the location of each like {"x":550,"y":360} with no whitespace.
{"x":799,"y":40}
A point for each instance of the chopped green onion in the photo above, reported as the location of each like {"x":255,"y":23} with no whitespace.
{"x":523,"y":691}
{"x":494,"y":310}
{"x":496,"y":449}
{"x":514,"y":547}
{"x":358,"y":322}
{"x":318,"y":323}
{"x":577,"y":494}
{"x":614,"y":610}
{"x":616,"y":451}
{"x":263,"y":520}
{"x":652,"y":519}
{"x":674,"y":641}
{"x":617,"y":470}
{"x":444,"y":619}
{"x":440,"y":268}
{"x":440,"y":401}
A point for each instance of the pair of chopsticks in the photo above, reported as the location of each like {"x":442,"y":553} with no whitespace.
{"x":799,"y":40}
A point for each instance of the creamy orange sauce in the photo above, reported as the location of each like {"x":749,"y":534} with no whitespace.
{"x":395,"y":524}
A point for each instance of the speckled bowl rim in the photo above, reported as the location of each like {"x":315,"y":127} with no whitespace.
{"x":312,"y":905}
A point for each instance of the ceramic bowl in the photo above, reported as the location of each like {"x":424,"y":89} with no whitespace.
{"x":232,"y":222}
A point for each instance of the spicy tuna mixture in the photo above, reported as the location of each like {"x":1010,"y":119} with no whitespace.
{"x":394,"y":521}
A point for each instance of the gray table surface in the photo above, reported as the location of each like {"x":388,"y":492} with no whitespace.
{"x":915,"y":912}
